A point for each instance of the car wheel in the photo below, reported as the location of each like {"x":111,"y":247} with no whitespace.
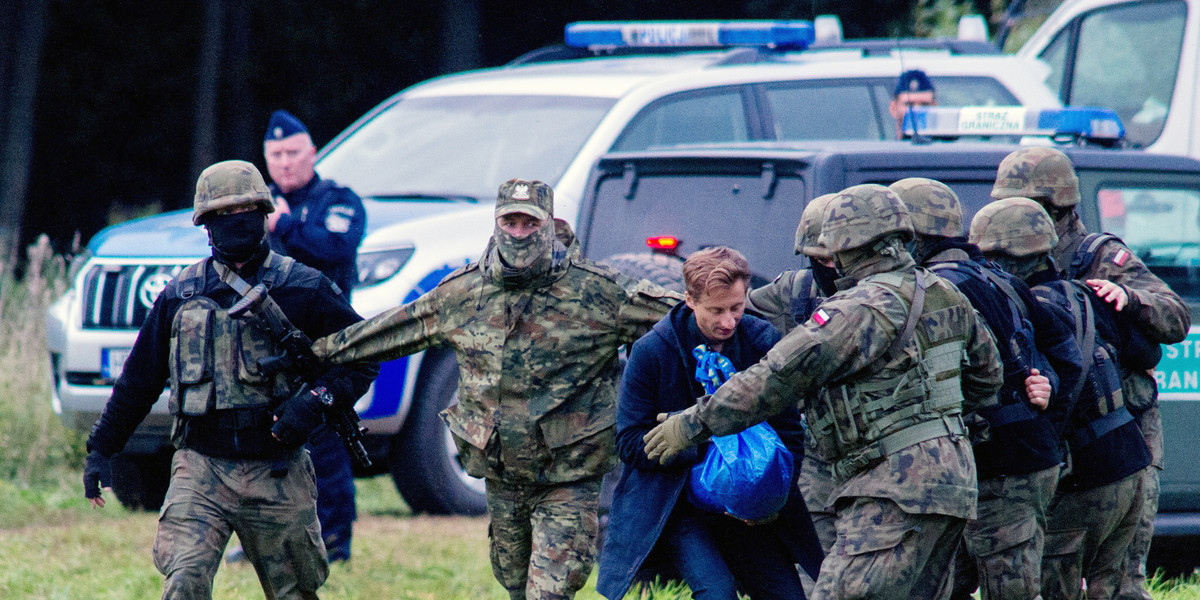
{"x":140,"y":481}
{"x":663,"y":269}
{"x":424,"y":461}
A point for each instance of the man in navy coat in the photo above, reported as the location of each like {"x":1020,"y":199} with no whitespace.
{"x":652,"y":519}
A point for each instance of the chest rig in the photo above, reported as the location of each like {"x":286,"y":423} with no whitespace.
{"x":886,"y":407}
{"x":214,"y":357}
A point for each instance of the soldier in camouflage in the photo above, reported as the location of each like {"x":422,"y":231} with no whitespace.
{"x":1092,"y":520}
{"x":786,"y":303}
{"x":893,"y":358}
{"x":240,"y":464}
{"x":535,"y":329}
{"x":1047,"y":176}
{"x":1018,"y":462}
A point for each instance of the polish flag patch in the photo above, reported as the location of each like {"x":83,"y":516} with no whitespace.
{"x":1120,"y":257}
{"x":821,"y":317}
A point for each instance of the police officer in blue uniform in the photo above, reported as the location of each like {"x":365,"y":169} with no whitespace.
{"x":320,"y":224}
{"x":316,"y":221}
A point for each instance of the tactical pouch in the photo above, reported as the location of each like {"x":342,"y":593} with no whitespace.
{"x":192,"y":357}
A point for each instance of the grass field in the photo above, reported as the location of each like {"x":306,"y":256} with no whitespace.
{"x":55,"y":547}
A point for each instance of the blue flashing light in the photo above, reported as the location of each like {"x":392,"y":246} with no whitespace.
{"x":1093,"y":124}
{"x":790,"y":35}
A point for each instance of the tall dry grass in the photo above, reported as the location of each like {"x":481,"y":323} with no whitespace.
{"x":35,"y":449}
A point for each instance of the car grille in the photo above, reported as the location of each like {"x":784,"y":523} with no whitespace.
{"x":119,"y":296}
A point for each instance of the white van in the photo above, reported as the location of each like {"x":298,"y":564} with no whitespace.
{"x":1138,"y":57}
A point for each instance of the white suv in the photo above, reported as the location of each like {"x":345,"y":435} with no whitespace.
{"x":428,"y":162}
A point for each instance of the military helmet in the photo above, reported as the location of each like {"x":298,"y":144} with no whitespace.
{"x":861,"y":214}
{"x":932,"y":206}
{"x":808,"y":233}
{"x":1038,"y":172}
{"x":228,"y":184}
{"x":1015,"y":226}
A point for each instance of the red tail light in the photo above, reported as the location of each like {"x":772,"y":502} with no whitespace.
{"x":664,"y":244}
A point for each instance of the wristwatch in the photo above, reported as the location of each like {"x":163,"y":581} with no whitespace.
{"x":323,"y":396}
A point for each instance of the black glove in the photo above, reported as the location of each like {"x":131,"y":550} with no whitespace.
{"x":97,"y":473}
{"x":297,"y":418}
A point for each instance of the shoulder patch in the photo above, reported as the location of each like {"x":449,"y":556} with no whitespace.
{"x":1120,"y":257}
{"x":821,"y":317}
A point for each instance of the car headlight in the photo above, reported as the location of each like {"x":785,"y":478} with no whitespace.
{"x":379,"y":265}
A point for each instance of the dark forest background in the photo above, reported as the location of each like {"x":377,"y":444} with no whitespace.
{"x":110,"y":109}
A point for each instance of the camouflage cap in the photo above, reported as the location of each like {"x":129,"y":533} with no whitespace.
{"x":861,"y":214}
{"x":530,"y":197}
{"x":808,"y":233}
{"x":932,"y":206}
{"x":1015,"y":226}
{"x":1038,"y":172}
{"x":228,"y":184}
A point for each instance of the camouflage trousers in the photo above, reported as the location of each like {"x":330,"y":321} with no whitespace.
{"x":275,"y":519}
{"x":884,"y":553}
{"x":816,"y":486}
{"x":1133,"y":584}
{"x":543,"y":537}
{"x":1088,"y":534}
{"x":1000,"y":545}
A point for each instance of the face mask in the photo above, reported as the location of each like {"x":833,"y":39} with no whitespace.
{"x":236,"y":238}
{"x":825,"y":278}
{"x":523,"y":253}
{"x":1019,"y":267}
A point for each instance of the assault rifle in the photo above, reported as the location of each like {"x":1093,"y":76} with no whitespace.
{"x":299,"y":362}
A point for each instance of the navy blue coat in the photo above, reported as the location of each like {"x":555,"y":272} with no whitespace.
{"x":323,"y":230}
{"x":659,"y":377}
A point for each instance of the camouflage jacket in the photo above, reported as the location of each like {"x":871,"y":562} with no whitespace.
{"x":1162,"y":315}
{"x":537,"y":364}
{"x":843,"y":344}
{"x":780,"y":302}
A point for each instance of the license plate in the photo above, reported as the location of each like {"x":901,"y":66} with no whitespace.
{"x":112,"y":362}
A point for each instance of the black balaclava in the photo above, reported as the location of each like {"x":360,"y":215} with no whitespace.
{"x":236,"y":238}
{"x":826,"y":277}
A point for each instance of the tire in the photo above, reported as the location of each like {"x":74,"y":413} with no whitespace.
{"x":663,"y":269}
{"x":140,"y":481}
{"x":424,"y":461}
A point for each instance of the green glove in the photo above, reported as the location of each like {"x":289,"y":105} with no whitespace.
{"x":674,"y":434}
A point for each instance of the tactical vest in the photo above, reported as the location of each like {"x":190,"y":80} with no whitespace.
{"x":860,"y":421}
{"x":1098,"y":391}
{"x":214,"y":358}
{"x":1019,"y":352}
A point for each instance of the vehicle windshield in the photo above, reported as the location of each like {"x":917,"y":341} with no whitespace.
{"x":464,"y":145}
{"x":1162,"y":226}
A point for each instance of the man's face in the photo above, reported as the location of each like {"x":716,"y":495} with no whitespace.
{"x":719,"y":311}
{"x":519,"y":225}
{"x":290,"y":161}
{"x":899,"y":105}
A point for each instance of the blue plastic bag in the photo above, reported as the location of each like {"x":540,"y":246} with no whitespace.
{"x":748,"y":474}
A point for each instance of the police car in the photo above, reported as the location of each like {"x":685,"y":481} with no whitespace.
{"x":429,"y":160}
{"x":750,"y":197}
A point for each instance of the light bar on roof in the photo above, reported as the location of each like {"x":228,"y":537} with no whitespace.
{"x":710,"y":34}
{"x":1096,"y":124}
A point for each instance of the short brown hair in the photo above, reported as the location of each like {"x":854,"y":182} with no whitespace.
{"x":715,"y":268}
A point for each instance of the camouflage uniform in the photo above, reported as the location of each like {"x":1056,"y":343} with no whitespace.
{"x":787,"y":302}
{"x":887,"y":418}
{"x":1048,"y":177}
{"x":535,"y":329}
{"x":1018,"y":465}
{"x":229,"y":473}
{"x":1092,"y":519}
